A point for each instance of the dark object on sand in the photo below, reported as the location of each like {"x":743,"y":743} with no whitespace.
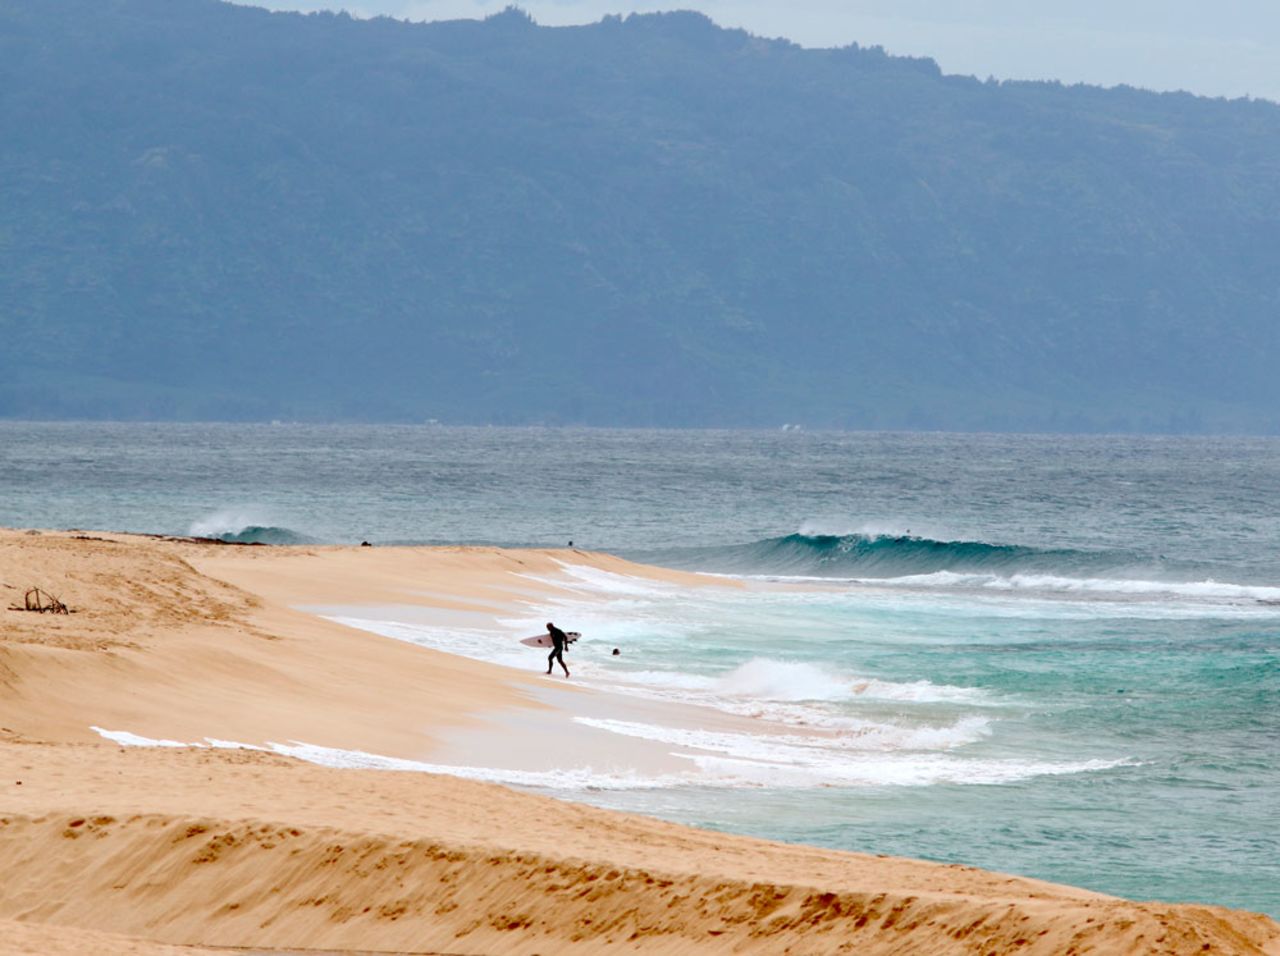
{"x":42,"y":602}
{"x":365,"y":544}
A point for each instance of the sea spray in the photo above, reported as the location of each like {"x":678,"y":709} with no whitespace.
{"x":783,"y":680}
{"x":247,"y":526}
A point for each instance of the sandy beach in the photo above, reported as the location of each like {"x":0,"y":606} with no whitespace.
{"x":142,"y":850}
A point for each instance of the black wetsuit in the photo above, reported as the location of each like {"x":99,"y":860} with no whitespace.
{"x":559,"y":641}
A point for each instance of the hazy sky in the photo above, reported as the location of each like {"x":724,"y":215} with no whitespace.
{"x":1218,"y":48}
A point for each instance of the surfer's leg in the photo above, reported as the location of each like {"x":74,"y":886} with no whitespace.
{"x":551,"y":657}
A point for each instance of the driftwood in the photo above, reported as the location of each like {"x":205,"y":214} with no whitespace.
{"x":42,"y":602}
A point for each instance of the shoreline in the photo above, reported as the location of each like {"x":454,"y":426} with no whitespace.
{"x":181,"y":640}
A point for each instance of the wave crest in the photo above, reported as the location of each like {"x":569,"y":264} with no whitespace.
{"x":237,"y":527}
{"x":893,"y":555}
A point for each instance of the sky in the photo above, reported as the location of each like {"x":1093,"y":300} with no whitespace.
{"x":1212,"y":47}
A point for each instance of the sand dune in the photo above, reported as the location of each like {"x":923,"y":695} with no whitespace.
{"x":112,"y":849}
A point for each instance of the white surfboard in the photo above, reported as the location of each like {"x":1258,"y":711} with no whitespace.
{"x":544,"y":640}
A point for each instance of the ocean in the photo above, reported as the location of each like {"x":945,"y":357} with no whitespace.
{"x":1048,"y":655}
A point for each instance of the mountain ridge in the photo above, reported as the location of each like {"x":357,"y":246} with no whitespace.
{"x":214,"y":211}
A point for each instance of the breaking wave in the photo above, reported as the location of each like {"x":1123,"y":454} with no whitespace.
{"x":870,"y":555}
{"x":257,"y":534}
{"x":241,"y":528}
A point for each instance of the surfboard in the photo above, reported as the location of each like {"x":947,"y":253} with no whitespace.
{"x":544,"y":640}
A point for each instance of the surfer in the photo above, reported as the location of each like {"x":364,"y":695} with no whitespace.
{"x":559,"y":641}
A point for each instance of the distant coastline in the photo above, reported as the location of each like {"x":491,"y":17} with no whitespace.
{"x":648,"y":221}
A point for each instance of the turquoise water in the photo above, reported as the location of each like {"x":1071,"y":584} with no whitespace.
{"x":1045,"y":655}
{"x":1177,"y":709}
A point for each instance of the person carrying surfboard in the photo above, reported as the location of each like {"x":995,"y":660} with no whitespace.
{"x":559,"y":641}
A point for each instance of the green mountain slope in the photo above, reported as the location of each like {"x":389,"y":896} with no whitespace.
{"x":210,"y":211}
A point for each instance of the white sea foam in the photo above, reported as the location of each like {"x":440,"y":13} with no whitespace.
{"x":920,"y":692}
{"x":574,"y":778}
{"x":599,"y":581}
{"x":792,"y":692}
{"x":570,"y":778}
{"x":778,"y":763}
{"x":1042,"y":595}
{"x":764,"y":679}
{"x":819,"y":724}
{"x":786,"y":692}
{"x":888,"y":770}
{"x":1128,"y":587}
{"x":862,"y":736}
{"x":217,"y":744}
{"x":465,"y":642}
{"x":126,"y":739}
{"x":1205,"y":590}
